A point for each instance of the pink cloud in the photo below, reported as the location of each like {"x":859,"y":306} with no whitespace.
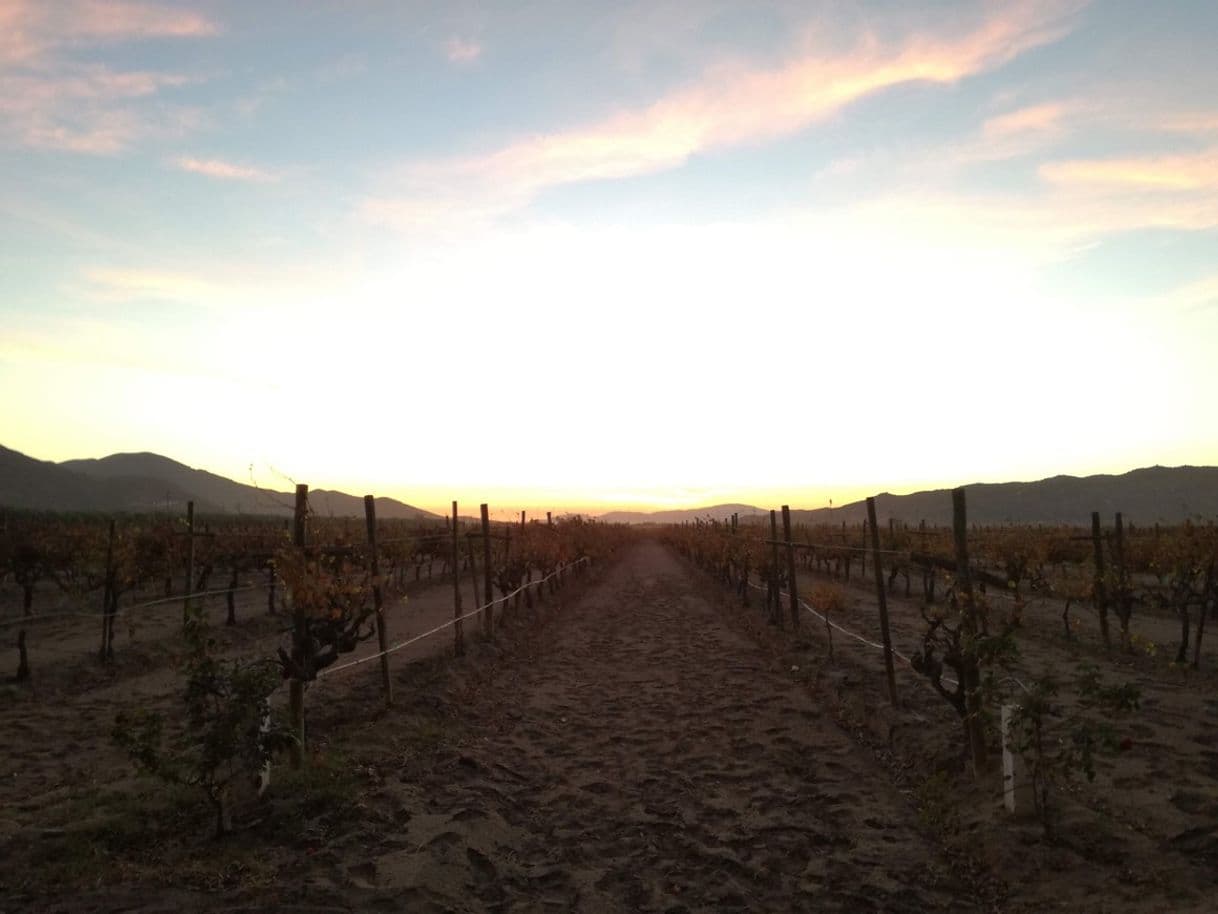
{"x":85,"y":109}
{"x":1196,"y":122}
{"x":730,"y":105}
{"x":28,"y":30}
{"x":1033,"y":119}
{"x":1193,"y":171}
{"x":218,"y":168}
{"x":462,"y":50}
{"x":50,"y":100}
{"x":120,"y":21}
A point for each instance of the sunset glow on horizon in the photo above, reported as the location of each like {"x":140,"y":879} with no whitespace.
{"x":580,"y":256}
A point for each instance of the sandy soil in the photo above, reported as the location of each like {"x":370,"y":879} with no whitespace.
{"x":1142,"y":837}
{"x":636,"y":752}
{"x":655,"y":759}
{"x":640,"y":742}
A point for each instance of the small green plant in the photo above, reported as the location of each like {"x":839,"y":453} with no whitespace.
{"x":1059,"y":742}
{"x":228,"y":735}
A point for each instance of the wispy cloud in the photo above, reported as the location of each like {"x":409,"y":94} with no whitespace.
{"x":228,"y":171}
{"x":122,"y":284}
{"x":1032,"y":119}
{"x":1191,"y":171}
{"x":85,"y":108}
{"x":1193,"y":122}
{"x":730,"y":105}
{"x":31,"y":28}
{"x":216,"y":285}
{"x":50,"y":100}
{"x":462,"y":50}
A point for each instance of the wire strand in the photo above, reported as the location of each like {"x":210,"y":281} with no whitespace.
{"x":449,"y":624}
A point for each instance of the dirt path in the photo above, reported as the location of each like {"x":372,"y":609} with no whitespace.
{"x":652,"y":758}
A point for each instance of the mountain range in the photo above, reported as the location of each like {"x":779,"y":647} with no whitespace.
{"x":1145,"y":496}
{"x":144,"y":483}
{"x":147,"y":483}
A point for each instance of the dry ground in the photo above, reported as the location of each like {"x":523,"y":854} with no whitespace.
{"x":640,"y":743}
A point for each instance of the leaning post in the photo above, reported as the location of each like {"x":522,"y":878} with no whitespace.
{"x":793,"y":588}
{"x":881,"y":593}
{"x":382,"y":636}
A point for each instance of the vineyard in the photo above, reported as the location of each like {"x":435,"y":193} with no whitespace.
{"x":1043,"y":697}
{"x":1059,"y":674}
{"x":185,"y":647}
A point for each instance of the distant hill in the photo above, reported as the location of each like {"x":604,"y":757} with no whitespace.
{"x":715,"y":512}
{"x":1146,"y":496}
{"x":41,"y":485}
{"x":1151,"y":495}
{"x":143,"y":482}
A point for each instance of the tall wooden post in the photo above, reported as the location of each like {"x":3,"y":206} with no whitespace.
{"x":107,"y":647}
{"x":300,"y":635}
{"x":458,"y":624}
{"x":1122,"y":591}
{"x":1100,"y":587}
{"x":775,"y":608}
{"x":190,"y":560}
{"x":969,"y":674}
{"x":521,"y":520}
{"x":549,"y":520}
{"x":374,"y":568}
{"x":488,"y":618}
{"x":473,"y":569}
{"x":881,"y":593}
{"x":791,"y":585}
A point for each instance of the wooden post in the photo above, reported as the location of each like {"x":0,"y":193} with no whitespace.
{"x":549,"y":520}
{"x":458,"y":624}
{"x":300,"y":635}
{"x":793,"y":588}
{"x":863,"y":555}
{"x":507,"y":558}
{"x":488,"y":618}
{"x":1101,"y":591}
{"x":521,"y":520}
{"x":969,"y":673}
{"x":23,"y":659}
{"x":190,"y":560}
{"x":775,"y":608}
{"x":881,"y":593}
{"x":1209,"y":588}
{"x":374,"y":568}
{"x":107,"y":649}
{"x":1122,"y":606}
{"x":473,"y":569}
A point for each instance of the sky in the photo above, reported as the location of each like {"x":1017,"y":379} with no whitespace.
{"x":590,"y":255}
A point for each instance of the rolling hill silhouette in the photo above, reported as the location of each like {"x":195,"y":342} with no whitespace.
{"x":144,"y":482}
{"x":1146,"y":496}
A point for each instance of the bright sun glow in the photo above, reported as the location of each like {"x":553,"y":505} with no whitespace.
{"x":835,"y":255}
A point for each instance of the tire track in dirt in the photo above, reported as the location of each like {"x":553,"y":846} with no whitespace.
{"x":655,"y":759}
